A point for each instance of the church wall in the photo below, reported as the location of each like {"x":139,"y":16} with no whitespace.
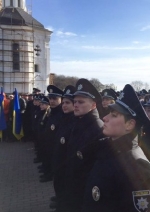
{"x":30,"y":70}
{"x":25,"y":78}
{"x":42,"y":38}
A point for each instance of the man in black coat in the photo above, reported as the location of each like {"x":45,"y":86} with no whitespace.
{"x":27,"y":123}
{"x":41,"y":123}
{"x":51,"y":127}
{"x":88,"y":127}
{"x":35,"y":117}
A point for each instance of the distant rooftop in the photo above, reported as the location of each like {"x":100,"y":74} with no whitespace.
{"x":18,"y":17}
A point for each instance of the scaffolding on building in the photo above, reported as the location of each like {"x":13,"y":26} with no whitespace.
{"x":25,"y":76}
{"x":18,"y":33}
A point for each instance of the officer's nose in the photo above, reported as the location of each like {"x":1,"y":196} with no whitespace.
{"x":75,"y":104}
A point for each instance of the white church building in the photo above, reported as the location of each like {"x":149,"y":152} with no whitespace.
{"x":24,"y":49}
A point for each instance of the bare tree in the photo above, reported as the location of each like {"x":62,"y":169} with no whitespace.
{"x":146,"y":86}
{"x":137,"y":85}
{"x":97,"y":84}
{"x":114,"y":87}
{"x":62,"y":81}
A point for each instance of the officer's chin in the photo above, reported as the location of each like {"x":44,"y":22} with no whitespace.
{"x":77,"y":113}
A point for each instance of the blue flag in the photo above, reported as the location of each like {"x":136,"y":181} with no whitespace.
{"x":2,"y":93}
{"x":2,"y":90}
{"x":17,"y":122}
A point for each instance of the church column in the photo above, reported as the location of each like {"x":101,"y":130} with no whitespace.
{"x":7,"y":3}
{"x":14,"y":3}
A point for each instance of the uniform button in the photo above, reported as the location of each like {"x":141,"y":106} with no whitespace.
{"x":95,"y":193}
{"x":79,"y":154}
{"x":52,"y":127}
{"x":62,"y":140}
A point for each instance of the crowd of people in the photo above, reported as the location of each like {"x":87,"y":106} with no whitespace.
{"x":24,"y":101}
{"x":93,"y":145}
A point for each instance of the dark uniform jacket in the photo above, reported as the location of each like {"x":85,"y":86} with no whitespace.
{"x":62,"y":136}
{"x":49,"y":134}
{"x":41,"y":123}
{"x":60,"y":151}
{"x":52,"y":124}
{"x":120,"y":178}
{"x":27,"y":120}
{"x":35,"y":117}
{"x":87,"y":129}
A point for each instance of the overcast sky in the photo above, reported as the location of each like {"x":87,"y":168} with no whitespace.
{"x":104,"y":39}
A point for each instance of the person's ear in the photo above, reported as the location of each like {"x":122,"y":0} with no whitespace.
{"x":130,"y":125}
{"x":93,"y":105}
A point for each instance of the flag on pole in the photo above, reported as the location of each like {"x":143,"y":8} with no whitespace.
{"x":2,"y":93}
{"x":17,"y":122}
{"x":2,"y":116}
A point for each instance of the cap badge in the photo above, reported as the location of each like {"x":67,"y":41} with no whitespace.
{"x":68,"y":91}
{"x":121,"y":96}
{"x":141,"y":200}
{"x":95,"y":193}
{"x":51,"y":90}
{"x":62,"y":140}
{"x":105,"y":94}
{"x":79,"y":155}
{"x":52,"y":127}
{"x":80,"y":87}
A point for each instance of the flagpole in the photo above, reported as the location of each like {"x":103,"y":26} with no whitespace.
{"x":1,"y":135}
{"x":2,"y":115}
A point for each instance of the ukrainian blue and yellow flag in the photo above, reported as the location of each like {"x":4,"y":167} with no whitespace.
{"x":2,"y":93}
{"x":17,"y":122}
{"x":2,"y":116}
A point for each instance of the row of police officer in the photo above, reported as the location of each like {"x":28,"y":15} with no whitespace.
{"x":95,"y":165}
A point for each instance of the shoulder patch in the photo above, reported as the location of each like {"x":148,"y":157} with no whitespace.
{"x":141,"y":200}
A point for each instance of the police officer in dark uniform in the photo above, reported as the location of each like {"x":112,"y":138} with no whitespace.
{"x":36,"y":90}
{"x":51,"y":127}
{"x":120,"y":178}
{"x":35,"y":118}
{"x":28,"y":134}
{"x":88,"y":127}
{"x":41,"y":123}
{"x":61,"y":141}
{"x":108,"y":97}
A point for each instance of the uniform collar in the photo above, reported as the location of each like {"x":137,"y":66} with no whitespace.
{"x":93,"y":113}
{"x":125,"y":143}
{"x":56,"y":109}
